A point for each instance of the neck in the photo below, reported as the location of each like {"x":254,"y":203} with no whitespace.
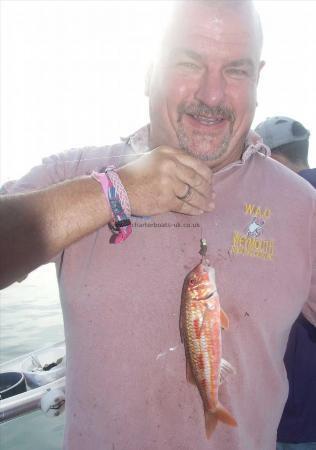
{"x":302,"y":167}
{"x":296,"y":167}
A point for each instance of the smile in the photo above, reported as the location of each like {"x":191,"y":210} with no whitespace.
{"x":208,"y":120}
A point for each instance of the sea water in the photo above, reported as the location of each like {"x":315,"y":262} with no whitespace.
{"x":31,"y":318}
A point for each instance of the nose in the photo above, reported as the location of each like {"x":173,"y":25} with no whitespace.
{"x":211,"y":88}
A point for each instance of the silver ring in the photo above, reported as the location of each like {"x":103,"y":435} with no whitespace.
{"x":187,"y":195}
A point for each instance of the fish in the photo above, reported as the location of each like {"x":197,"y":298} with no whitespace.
{"x":201,"y":321}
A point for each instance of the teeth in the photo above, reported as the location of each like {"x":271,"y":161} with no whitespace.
{"x":208,"y":121}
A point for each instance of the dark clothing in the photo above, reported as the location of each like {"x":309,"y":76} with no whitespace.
{"x":298,"y":422}
{"x":309,"y":175}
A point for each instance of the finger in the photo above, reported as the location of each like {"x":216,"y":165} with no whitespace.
{"x":186,"y":208}
{"x":199,"y":166}
{"x":187,"y":193}
{"x":186,"y":159}
{"x":189,"y":210}
{"x":189,"y":176}
{"x":191,"y":197}
{"x":196,"y":200}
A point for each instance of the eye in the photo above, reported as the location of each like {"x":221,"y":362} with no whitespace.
{"x":191,"y":282}
{"x":237,"y":73}
{"x":188,"y":65}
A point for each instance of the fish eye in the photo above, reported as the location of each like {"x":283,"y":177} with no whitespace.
{"x":191,"y":281}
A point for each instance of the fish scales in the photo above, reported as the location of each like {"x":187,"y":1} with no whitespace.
{"x":205,"y":349}
{"x":200,"y":326}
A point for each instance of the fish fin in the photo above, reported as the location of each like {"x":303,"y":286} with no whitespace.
{"x":226,"y":370}
{"x":224,"y":320}
{"x":190,"y":376}
{"x":210,"y":423}
{"x":182,"y":322}
{"x":223,"y":415}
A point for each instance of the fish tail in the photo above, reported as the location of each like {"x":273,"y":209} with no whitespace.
{"x":225,"y":416}
{"x":210,"y":423}
{"x":221,"y":414}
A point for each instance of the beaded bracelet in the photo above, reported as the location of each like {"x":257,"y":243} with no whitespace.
{"x":117,"y":197}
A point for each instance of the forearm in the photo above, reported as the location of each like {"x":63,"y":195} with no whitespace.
{"x":35,"y":227}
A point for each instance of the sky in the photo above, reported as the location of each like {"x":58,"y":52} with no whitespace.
{"x":72,"y":72}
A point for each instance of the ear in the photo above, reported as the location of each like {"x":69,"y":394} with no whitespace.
{"x":261,"y":66}
{"x":148,"y":79}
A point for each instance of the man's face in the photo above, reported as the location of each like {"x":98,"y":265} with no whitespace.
{"x":202,"y":92}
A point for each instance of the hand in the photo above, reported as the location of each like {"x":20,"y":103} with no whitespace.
{"x":168,"y":179}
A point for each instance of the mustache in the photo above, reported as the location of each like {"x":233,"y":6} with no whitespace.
{"x":200,"y":109}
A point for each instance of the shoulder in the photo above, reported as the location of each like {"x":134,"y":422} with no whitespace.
{"x":284,"y":180}
{"x":81,"y":161}
{"x":67,"y":165}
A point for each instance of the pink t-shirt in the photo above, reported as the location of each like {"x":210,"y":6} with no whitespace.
{"x":126,"y":377}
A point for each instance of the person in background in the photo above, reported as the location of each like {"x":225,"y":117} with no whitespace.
{"x":126,"y":368}
{"x":288,"y":140}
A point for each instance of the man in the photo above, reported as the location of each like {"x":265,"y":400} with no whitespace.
{"x":288,"y":140}
{"x":126,"y":381}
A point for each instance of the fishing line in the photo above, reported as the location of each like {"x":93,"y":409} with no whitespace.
{"x":100,"y":158}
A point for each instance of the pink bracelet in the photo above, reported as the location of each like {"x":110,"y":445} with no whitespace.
{"x":120,"y":189}
{"x":120,"y":224}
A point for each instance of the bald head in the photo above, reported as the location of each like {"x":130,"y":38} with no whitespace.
{"x":244,"y":8}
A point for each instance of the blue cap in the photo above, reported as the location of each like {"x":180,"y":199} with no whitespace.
{"x":281,"y":130}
